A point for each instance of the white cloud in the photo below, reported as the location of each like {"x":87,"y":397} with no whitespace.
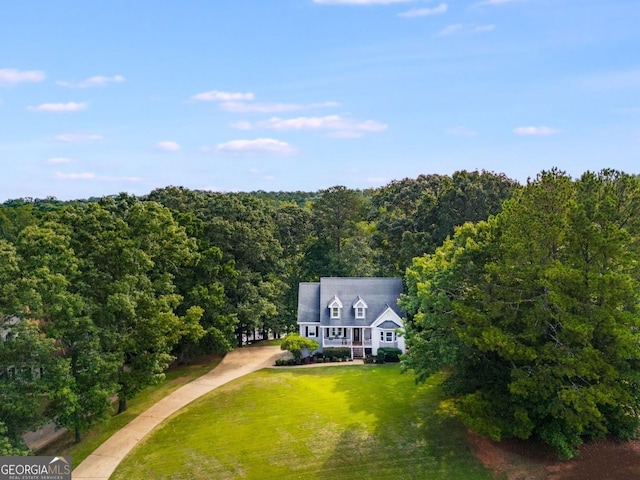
{"x":242,"y":102}
{"x":59,"y":107}
{"x":167,"y":146}
{"x":259,"y":145}
{"x":242,"y":107}
{"x":496,"y":2}
{"x":462,"y":131}
{"x":58,"y":160}
{"x":78,"y":137}
{"x":92,"y":177}
{"x":242,"y":125}
{"x":97,"y":81}
{"x":423,"y":12}
{"x":541,"y":131}
{"x":468,"y":29}
{"x":481,"y":28}
{"x":360,"y":2}
{"x":451,"y":29}
{"x":74,"y":176}
{"x":218,"y":96}
{"x":336,"y":125}
{"x":11,"y":76}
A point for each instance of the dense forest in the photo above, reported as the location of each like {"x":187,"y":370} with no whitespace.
{"x":98,"y":297}
{"x":527,"y":296}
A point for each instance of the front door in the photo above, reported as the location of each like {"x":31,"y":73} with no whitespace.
{"x":356,"y":336}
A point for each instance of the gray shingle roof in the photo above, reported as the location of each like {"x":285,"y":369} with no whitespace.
{"x":309,"y":302}
{"x":388,"y":325}
{"x":377,"y":293}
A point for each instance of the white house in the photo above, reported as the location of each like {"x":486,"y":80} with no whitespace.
{"x":360,"y":313}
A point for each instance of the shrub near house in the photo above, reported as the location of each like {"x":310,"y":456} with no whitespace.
{"x":390,"y":354}
{"x":297,"y":344}
{"x":337,"y":353}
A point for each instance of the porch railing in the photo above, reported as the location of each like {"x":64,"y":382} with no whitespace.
{"x":344,"y":342}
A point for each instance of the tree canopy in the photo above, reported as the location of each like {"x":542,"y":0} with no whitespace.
{"x":534,"y":312}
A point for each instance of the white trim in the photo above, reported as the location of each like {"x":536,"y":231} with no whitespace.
{"x":335,"y":306}
{"x":335,"y":302}
{"x":388,"y":314}
{"x":360,"y":308}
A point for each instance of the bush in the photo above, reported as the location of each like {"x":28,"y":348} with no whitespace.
{"x":296,"y":344}
{"x":380,"y":357}
{"x":337,"y":352}
{"x":286,"y":362}
{"x":390,"y":354}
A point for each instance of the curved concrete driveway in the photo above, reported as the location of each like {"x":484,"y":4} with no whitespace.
{"x":104,"y":460}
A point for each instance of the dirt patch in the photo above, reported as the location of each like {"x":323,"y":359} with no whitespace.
{"x":529,"y":460}
{"x":512,"y":459}
{"x":602,"y":460}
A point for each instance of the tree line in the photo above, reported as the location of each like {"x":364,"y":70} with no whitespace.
{"x":98,"y":297}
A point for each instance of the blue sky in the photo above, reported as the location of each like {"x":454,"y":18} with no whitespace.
{"x":101,"y":97}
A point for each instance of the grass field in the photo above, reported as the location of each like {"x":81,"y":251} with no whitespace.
{"x":337,"y":423}
{"x":174,"y":379}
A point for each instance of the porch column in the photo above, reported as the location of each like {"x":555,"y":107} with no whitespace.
{"x":351,"y":341}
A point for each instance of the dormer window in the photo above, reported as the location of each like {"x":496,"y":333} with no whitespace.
{"x":335,"y":306}
{"x":360,"y":308}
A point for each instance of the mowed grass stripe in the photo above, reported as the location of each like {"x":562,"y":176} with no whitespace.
{"x":353,"y":422}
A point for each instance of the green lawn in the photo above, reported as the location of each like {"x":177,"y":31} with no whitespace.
{"x":174,"y":379}
{"x":337,"y":423}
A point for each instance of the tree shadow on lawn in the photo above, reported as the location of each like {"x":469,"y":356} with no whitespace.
{"x":408,"y":434}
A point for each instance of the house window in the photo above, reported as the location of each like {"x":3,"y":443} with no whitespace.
{"x":388,"y":336}
{"x":334,"y":307}
{"x":360,"y":308}
{"x":312,"y":332}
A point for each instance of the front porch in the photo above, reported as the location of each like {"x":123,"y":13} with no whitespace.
{"x":355,"y":338}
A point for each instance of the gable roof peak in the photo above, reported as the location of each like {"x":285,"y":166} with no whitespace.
{"x":335,"y":302}
{"x":359,"y":302}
